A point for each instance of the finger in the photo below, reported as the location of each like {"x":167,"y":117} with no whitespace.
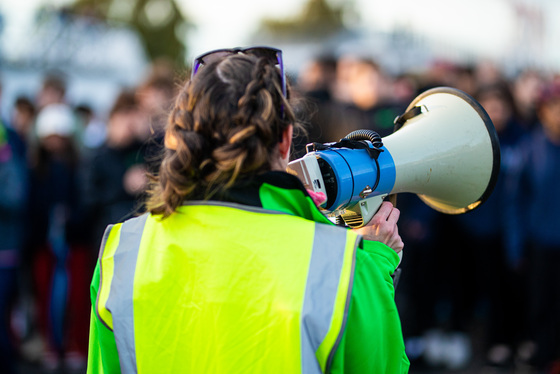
{"x":384,"y":210}
{"x":396,"y":241}
{"x":394,"y":216}
{"x":399,"y":246}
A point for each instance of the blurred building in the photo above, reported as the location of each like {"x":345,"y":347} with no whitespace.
{"x":95,"y":58}
{"x":403,"y":37}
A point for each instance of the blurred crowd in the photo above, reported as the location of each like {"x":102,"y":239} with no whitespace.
{"x":488,"y":277}
{"x":66,"y":173}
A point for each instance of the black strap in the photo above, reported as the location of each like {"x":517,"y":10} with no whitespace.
{"x":409,"y":114}
{"x":345,"y":143}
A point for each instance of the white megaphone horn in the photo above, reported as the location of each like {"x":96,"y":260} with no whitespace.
{"x":445,"y":150}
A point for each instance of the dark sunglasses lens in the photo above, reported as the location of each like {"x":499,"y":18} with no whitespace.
{"x":213,"y":56}
{"x":208,"y":58}
{"x":269,"y":54}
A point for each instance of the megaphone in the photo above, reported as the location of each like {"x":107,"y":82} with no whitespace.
{"x":445,"y":149}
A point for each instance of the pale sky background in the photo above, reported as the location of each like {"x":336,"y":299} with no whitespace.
{"x":488,"y":26}
{"x":485,"y":24}
{"x":434,"y":17}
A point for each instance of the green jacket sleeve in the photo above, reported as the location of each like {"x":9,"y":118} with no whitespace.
{"x":372,"y":341}
{"x":103,"y":357}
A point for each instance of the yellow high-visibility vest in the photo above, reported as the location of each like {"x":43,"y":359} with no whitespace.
{"x":225,"y":288}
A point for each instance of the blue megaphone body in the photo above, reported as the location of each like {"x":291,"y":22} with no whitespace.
{"x":355,"y":174}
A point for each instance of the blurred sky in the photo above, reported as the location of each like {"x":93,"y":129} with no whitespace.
{"x":487,"y":25}
{"x":467,"y":21}
{"x":491,"y":27}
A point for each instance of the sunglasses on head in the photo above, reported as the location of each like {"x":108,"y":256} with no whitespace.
{"x":273,"y":55}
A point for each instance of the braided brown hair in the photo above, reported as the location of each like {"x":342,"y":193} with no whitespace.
{"x":225,"y":125}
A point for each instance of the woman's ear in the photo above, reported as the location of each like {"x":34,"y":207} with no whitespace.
{"x":286,"y":143}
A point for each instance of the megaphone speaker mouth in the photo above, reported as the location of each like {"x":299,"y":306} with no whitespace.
{"x":462,"y":159}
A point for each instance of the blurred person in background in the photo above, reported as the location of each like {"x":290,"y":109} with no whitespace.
{"x":486,"y":244}
{"x":404,"y":88}
{"x":315,"y":82}
{"x":463,"y":76}
{"x":13,"y":201}
{"x":317,"y":77}
{"x":538,"y":197}
{"x":22,"y":120}
{"x":23,"y":140}
{"x":115,"y":173}
{"x":56,"y":253}
{"x":487,"y":72}
{"x":439,"y":73}
{"x":465,"y":79}
{"x":340,"y":91}
{"x":53,"y":91}
{"x":155,"y":97}
{"x":363,"y":99}
{"x":527,"y":87}
{"x":94,"y":130}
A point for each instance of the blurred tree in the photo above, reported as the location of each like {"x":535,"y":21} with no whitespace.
{"x":160,"y":23}
{"x":318,"y":18}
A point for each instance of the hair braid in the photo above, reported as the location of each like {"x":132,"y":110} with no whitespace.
{"x":225,"y":125}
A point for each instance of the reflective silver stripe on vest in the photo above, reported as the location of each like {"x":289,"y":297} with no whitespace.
{"x":120,"y":302}
{"x":325,"y":267}
{"x":101,"y":252}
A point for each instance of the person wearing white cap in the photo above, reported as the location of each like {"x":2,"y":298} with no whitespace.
{"x":56,"y":242}
{"x":55,"y":119}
